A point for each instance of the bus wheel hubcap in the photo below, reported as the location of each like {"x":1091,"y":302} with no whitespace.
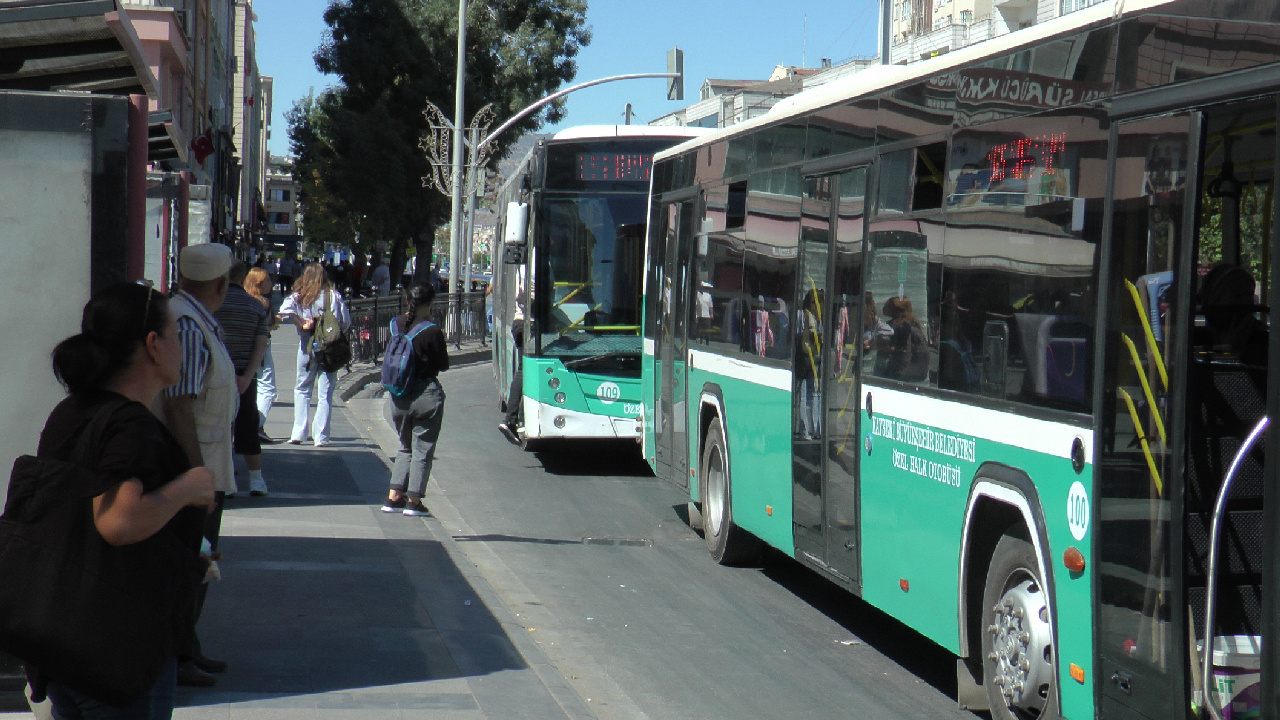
{"x":714,"y":516}
{"x":1022,"y":648}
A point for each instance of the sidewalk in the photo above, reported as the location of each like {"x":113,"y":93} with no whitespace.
{"x":329,"y":608}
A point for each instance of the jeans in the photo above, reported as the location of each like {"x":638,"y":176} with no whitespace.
{"x":156,"y":704}
{"x":309,"y":379}
{"x":266,"y":387}
{"x":417,"y":419}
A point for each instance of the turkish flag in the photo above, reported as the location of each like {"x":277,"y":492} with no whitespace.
{"x":202,"y":147}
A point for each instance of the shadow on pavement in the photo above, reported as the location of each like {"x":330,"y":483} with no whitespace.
{"x":914,"y":652}
{"x":610,"y":458}
{"x":299,"y":616}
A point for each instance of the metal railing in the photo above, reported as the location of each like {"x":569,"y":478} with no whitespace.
{"x":371,"y":319}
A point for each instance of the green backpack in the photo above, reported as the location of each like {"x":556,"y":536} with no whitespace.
{"x":329,"y":345}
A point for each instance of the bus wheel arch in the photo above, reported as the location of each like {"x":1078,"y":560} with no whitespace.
{"x":1003,"y":504}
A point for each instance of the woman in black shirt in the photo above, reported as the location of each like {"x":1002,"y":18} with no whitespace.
{"x":142,"y":489}
{"x":419,"y":412}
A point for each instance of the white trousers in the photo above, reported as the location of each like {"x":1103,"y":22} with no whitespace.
{"x":309,"y":380}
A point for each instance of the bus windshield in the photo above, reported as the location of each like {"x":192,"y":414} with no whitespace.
{"x":589,"y":254}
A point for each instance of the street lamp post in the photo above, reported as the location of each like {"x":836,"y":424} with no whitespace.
{"x":455,"y":218}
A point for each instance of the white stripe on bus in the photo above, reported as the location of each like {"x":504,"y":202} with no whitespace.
{"x":740,"y":370}
{"x":1039,"y":436}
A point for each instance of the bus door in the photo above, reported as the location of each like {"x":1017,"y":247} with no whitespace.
{"x":825,"y":379}
{"x":670,"y":348}
{"x":1185,"y":385}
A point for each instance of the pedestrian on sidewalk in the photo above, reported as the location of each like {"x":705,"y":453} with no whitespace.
{"x":419,"y":412}
{"x":201,"y":407}
{"x":246,"y":334}
{"x":259,"y":285}
{"x":313,"y":292}
{"x":143,"y":486}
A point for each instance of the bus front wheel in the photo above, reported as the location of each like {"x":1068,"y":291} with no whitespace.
{"x":727,"y":543}
{"x":1017,"y":635}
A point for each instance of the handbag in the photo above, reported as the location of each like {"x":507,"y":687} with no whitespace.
{"x":329,"y":345}
{"x":96,"y":618}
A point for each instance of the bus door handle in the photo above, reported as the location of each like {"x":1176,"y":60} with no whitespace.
{"x":1211,"y":577}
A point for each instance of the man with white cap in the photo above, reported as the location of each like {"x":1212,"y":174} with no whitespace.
{"x":201,"y":409}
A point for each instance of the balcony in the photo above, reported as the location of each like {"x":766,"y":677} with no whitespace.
{"x":945,"y":37}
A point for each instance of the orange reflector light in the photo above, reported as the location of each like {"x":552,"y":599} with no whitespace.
{"x":906,"y":586}
{"x":1077,"y":673}
{"x":768,"y":510}
{"x":1074,"y":560}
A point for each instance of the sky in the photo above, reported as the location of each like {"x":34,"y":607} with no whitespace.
{"x":723,"y":39}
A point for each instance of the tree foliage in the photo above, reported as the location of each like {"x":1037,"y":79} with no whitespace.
{"x":356,"y":143}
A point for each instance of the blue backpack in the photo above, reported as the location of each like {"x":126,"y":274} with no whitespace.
{"x":397,"y":363}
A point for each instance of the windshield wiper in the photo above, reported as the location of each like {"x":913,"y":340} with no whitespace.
{"x":571,"y":364}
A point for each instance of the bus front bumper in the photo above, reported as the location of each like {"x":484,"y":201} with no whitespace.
{"x":549,"y":421}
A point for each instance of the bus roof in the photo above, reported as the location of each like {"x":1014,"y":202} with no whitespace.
{"x":882,"y":77}
{"x":597,"y":132}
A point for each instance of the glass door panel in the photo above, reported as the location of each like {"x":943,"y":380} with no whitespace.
{"x":810,"y":320}
{"x":845,"y":310}
{"x":1141,"y":635}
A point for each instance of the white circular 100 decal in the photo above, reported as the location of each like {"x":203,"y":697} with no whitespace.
{"x":1078,"y":510}
{"x":608,"y":393}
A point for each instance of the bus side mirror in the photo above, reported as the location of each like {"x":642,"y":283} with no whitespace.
{"x":516,"y":235}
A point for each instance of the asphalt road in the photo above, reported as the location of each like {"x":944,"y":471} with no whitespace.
{"x":593,"y":555}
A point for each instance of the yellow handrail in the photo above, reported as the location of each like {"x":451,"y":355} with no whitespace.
{"x":1151,"y":338}
{"x":1146,"y":386}
{"x":1142,"y":439}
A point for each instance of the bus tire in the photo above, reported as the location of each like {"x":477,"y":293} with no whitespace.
{"x":1019,"y":670}
{"x":695,"y":517}
{"x":727,"y":543}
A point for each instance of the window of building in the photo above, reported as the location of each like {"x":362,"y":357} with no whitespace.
{"x":280,"y":218}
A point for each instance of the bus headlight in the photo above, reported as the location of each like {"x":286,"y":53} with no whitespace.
{"x":554,"y":383}
{"x":560,"y":398}
{"x":559,"y":422}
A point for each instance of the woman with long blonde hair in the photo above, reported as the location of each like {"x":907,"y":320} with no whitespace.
{"x":311,"y":294}
{"x":259,"y":285}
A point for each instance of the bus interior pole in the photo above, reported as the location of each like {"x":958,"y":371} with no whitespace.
{"x":455,"y":224}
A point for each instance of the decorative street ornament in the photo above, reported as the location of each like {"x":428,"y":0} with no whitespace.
{"x":438,"y":146}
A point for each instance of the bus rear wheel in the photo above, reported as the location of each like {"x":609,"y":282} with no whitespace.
{"x":727,"y":543}
{"x":1017,"y":638}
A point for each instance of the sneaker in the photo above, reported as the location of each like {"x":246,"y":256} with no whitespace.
{"x":257,"y":488}
{"x":323,"y":443}
{"x":509,"y":434}
{"x":295,"y":441}
{"x":266,"y":439}
{"x":395,"y":505}
{"x":416,"y":509}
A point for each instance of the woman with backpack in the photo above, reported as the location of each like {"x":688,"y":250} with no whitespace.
{"x":138,"y":494}
{"x":416,"y":354}
{"x":312,"y":296}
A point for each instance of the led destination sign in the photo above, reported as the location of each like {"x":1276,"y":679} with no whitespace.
{"x":607,"y":167}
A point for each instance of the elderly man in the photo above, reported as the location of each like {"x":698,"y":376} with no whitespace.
{"x":201,"y":409}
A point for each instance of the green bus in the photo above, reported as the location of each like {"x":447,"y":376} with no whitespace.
{"x":572,"y":243}
{"x":985,"y":340}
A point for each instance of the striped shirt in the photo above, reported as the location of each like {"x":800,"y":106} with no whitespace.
{"x":243,"y":320}
{"x":195,"y":354}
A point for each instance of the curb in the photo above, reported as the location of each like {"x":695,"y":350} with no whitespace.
{"x":366,"y":374}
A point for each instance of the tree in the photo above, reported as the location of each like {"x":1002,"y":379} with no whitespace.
{"x":357,"y":143}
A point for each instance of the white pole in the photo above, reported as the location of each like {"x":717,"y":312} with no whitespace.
{"x":455,"y":218}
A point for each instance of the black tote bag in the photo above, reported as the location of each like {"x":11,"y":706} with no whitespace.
{"x":96,"y":618}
